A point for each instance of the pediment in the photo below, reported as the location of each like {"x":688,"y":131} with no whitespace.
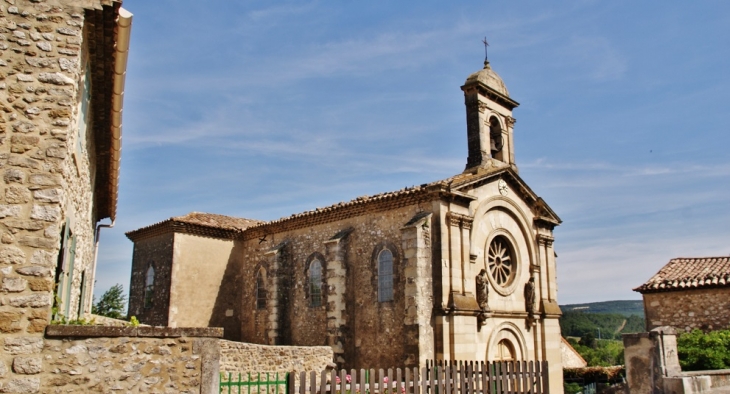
{"x":540,"y":209}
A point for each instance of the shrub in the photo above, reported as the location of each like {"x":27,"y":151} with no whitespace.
{"x":699,"y":351}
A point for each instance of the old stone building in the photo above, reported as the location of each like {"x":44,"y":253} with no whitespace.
{"x":185,"y":255}
{"x":62,"y":68}
{"x":689,"y":293}
{"x":462,"y":268}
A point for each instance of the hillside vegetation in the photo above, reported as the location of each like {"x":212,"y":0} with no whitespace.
{"x":609,"y":325}
{"x":625,"y":308}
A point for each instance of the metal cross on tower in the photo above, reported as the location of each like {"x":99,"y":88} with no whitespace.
{"x":486,"y":44}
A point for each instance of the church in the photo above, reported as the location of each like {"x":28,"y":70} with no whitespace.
{"x":458,"y":269}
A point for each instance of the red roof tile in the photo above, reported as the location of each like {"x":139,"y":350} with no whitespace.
{"x":689,"y":273}
{"x":217,"y":221}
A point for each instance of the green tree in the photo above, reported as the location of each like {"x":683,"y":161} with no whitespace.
{"x":698,"y":351}
{"x":588,"y":340}
{"x":112,"y":303}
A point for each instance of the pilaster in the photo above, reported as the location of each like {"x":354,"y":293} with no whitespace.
{"x":336,"y":278}
{"x":418,"y":291}
{"x":277,"y":301}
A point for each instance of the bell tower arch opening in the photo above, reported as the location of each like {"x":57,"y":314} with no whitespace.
{"x":489,"y":121}
{"x":496,"y":142}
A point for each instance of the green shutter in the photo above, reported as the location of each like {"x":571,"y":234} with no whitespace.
{"x":69,"y":276}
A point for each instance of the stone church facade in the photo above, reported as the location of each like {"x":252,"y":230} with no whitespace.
{"x":462,"y":268}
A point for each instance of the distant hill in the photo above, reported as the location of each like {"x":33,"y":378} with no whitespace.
{"x":625,"y":308}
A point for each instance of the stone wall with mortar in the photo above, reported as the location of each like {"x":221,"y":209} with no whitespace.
{"x":704,"y":309}
{"x":158,"y":253}
{"x":109,"y":359}
{"x":47,"y":169}
{"x":362,"y":331}
{"x":247,"y":357}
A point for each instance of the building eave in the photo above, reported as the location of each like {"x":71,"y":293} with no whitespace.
{"x":175,"y":226}
{"x":109,"y":37}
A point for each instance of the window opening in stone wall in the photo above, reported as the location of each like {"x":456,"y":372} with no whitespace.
{"x":501,"y":261}
{"x":385,"y":276}
{"x":505,"y":351}
{"x":495,"y":138}
{"x":149,"y":287}
{"x":315,"y":283}
{"x":260,"y":290}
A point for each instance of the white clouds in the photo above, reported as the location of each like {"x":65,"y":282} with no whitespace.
{"x":270,"y":111}
{"x":610,"y":267}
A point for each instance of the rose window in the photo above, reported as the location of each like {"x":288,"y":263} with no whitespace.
{"x":501,"y":261}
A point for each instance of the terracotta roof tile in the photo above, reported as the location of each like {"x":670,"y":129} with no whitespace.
{"x":209,"y":224}
{"x":448,"y":184}
{"x":688,"y":273}
{"x":217,"y":221}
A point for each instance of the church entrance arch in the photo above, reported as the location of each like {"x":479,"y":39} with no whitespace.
{"x":506,"y":344}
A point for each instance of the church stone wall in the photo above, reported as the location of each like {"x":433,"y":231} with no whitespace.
{"x":704,"y":309}
{"x":156,"y":252}
{"x":239,"y":357}
{"x":367,"y":332}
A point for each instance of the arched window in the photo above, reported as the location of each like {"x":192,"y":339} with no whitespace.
{"x":261,"y":290}
{"x":495,"y":138}
{"x":385,"y":276}
{"x":315,"y":283}
{"x":149,"y":287}
{"x":505,"y":351}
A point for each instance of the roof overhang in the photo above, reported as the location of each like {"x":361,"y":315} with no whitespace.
{"x":109,"y":37}
{"x":491,"y":94}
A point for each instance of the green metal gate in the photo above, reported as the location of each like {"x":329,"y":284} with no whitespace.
{"x":253,"y":383}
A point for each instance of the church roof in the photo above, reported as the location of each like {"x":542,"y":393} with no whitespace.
{"x":452,"y":187}
{"x":221,"y":226}
{"x":689,"y":273}
{"x":198,"y":223}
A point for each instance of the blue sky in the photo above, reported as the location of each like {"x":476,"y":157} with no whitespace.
{"x":260,"y":110}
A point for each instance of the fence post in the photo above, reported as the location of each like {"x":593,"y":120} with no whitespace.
{"x":290,"y":382}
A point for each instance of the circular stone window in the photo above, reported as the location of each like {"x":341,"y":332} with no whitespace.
{"x":501,"y":261}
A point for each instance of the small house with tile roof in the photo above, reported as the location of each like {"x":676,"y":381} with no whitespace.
{"x":458,"y":269}
{"x":689,"y":293}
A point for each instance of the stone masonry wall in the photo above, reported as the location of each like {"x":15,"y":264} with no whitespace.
{"x":45,"y":167}
{"x":155,"y":251}
{"x":247,"y":357}
{"x":76,"y":359}
{"x":371,"y":332}
{"x":704,"y":309}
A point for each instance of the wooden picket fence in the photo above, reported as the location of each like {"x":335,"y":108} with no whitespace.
{"x":437,"y":377}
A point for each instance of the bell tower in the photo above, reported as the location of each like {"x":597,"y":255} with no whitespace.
{"x":489,"y":121}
